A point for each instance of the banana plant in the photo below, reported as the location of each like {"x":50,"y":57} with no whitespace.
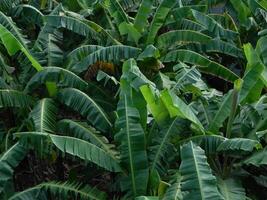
{"x":133,"y":99}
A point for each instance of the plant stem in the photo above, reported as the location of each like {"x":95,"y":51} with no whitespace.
{"x":225,"y":166}
{"x":214,"y":165}
{"x":232,"y":114}
{"x":10,"y":131}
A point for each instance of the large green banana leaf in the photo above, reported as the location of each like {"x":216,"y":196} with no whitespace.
{"x":204,"y":63}
{"x":213,"y":26}
{"x":184,"y":12}
{"x":143,"y":12}
{"x":159,"y":19}
{"x":86,"y":106}
{"x":7,"y":5}
{"x":177,"y":107}
{"x":219,"y":46}
{"x":70,"y":23}
{"x":197,"y":181}
{"x":231,"y":189}
{"x":222,"y":113}
{"x":258,"y":159}
{"x":131,"y":140}
{"x":62,"y":77}
{"x":174,"y":191}
{"x":29,"y":13}
{"x":83,"y":131}
{"x":61,"y":190}
{"x":10,"y":25}
{"x":14,"y":98}
{"x":173,"y":38}
{"x":116,"y":11}
{"x":8,"y":161}
{"x":77,"y":147}
{"x":254,"y":78}
{"x":209,"y":143}
{"x":161,"y":142}
{"x":13,"y":46}
{"x":238,"y":146}
{"x":80,"y":53}
{"x":112,"y":54}
{"x":155,"y":104}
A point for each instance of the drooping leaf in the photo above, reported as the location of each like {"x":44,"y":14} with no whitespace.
{"x":64,"y":190}
{"x":54,"y":51}
{"x":113,"y":53}
{"x":238,"y":146}
{"x":213,"y":26}
{"x":149,"y":52}
{"x":14,"y":30}
{"x":77,"y":147}
{"x":13,"y":46}
{"x":204,"y":63}
{"x":252,"y":85}
{"x":173,"y":38}
{"x":14,"y":98}
{"x":219,"y":46}
{"x":243,"y":12}
{"x":86,"y":106}
{"x":102,"y":31}
{"x":129,"y":30}
{"x":63,"y":78}
{"x":8,"y":161}
{"x":7,"y":5}
{"x":84,"y":132}
{"x":72,"y":24}
{"x":103,"y":76}
{"x":257,"y":159}
{"x":60,"y":190}
{"x":80,"y":53}
{"x":134,"y":76}
{"x":183,"y":12}
{"x":209,"y":143}
{"x":261,"y":49}
{"x":29,"y":14}
{"x":30,"y":193}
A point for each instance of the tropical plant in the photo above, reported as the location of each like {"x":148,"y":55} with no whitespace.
{"x":133,"y":99}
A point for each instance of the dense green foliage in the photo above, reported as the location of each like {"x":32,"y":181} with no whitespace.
{"x":133,"y":99}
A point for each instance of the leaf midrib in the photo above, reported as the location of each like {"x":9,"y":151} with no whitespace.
{"x":197,"y":171}
{"x":129,"y":145}
{"x":96,"y":106}
{"x":42,"y":115}
{"x":101,"y":143}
